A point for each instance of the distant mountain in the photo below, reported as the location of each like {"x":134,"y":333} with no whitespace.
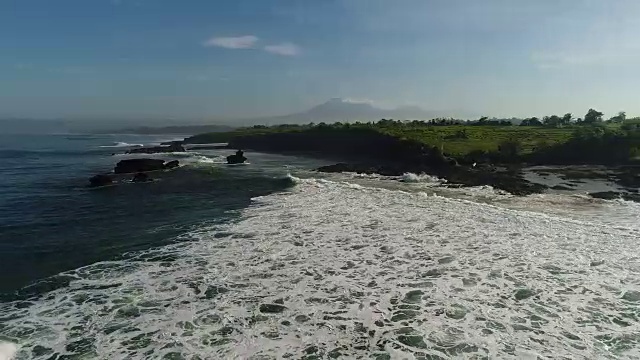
{"x":345,"y":110}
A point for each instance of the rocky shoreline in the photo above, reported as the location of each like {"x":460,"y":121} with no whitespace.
{"x":374,"y":153}
{"x":507,"y":179}
{"x":370,"y":152}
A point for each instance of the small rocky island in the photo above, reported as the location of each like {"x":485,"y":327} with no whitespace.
{"x":237,"y":158}
{"x":138,"y":167}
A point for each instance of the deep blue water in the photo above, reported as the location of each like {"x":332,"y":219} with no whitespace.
{"x":51,"y":222}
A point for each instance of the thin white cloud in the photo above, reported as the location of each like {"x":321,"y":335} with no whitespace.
{"x":284,"y":49}
{"x":238,"y":42}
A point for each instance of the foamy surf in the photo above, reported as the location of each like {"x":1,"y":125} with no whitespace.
{"x":339,"y":270}
{"x":422,"y":178}
{"x":120,"y":144}
{"x":8,"y":350}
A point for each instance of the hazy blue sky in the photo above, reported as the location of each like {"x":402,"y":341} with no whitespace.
{"x":241,"y":58}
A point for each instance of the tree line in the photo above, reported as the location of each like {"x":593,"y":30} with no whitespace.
{"x":592,"y":117}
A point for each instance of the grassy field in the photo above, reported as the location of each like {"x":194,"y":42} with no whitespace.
{"x":459,"y":140}
{"x":455,"y":140}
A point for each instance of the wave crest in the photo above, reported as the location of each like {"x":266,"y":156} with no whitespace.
{"x":120,"y":144}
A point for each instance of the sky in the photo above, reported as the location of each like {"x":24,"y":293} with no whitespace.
{"x":223,"y":59}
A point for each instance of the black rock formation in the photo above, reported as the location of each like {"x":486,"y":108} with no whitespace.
{"x":100,"y":180}
{"x":138,"y":165}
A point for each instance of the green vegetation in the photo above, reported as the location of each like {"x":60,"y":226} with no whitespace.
{"x":554,"y":139}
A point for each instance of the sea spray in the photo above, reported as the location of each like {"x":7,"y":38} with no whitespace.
{"x":8,"y":350}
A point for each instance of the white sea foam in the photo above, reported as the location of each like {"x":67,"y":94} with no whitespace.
{"x":352,"y":271}
{"x":8,"y":350}
{"x":422,"y":178}
{"x":120,"y":144}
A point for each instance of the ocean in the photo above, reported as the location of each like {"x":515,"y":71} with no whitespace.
{"x":272,"y":260}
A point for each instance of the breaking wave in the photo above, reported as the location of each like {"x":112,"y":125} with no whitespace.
{"x":119,"y":144}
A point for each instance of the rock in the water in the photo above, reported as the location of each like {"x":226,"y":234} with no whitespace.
{"x":101,"y":180}
{"x":173,"y":147}
{"x":141,"y":177}
{"x":138,"y":165}
{"x":172,"y":164}
{"x":236,"y":159}
{"x":607,"y":195}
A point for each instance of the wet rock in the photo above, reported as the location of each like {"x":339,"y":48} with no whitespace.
{"x":237,"y":158}
{"x":272,"y":308}
{"x":100,"y":180}
{"x":172,"y":164}
{"x":141,"y":177}
{"x":138,"y":165}
{"x":606,"y":195}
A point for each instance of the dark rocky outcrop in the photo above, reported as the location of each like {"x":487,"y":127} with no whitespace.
{"x":510,"y":180}
{"x":141,"y":177}
{"x":237,"y":158}
{"x":173,"y":147}
{"x":616,"y":195}
{"x":370,"y":151}
{"x":100,"y":180}
{"x":138,"y":165}
{"x":172,"y":164}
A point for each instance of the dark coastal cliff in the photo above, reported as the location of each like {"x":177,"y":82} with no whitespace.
{"x":463,"y":154}
{"x":363,"y":144}
{"x":369,"y":151}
